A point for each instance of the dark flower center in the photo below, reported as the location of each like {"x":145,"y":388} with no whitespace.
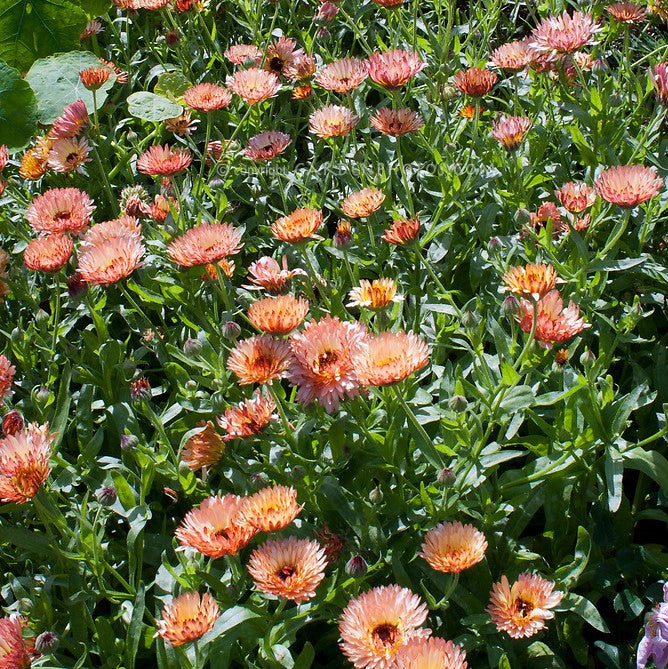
{"x":524,"y":608}
{"x":387,"y":633}
{"x":276,"y":64}
{"x":285,"y":572}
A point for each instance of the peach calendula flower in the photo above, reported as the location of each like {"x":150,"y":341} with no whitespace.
{"x":4,"y":156}
{"x":24,"y":463}
{"x":626,"y":12}
{"x":93,"y":27}
{"x":72,"y":122}
{"x":475,"y":82}
{"x":49,"y":253}
{"x":268,"y":274}
{"x":60,"y":210}
{"x":259,"y":359}
{"x":363,"y":202}
{"x":302,"y":92}
{"x":238,"y":54}
{"x":123,"y":226}
{"x":376,"y":294}
{"x":431,"y":653}
{"x":203,"y":449}
{"x":187,"y":617}
{"x":205,"y":243}
{"x":377,"y":624}
{"x":628,"y":185}
{"x":402,"y":231}
{"x":322,"y":364}
{"x":69,"y":154}
{"x":521,"y":610}
{"x":513,"y":56}
{"x":658,"y":75}
{"x":207,"y":97}
{"x":509,"y":131}
{"x":554,"y":324}
{"x":389,"y":357}
{"x":396,"y":122}
{"x":389,"y":4}
{"x":254,"y":85}
{"x":7,"y":371}
{"x":563,"y":34}
{"x":281,"y":55}
{"x":332,"y":121}
{"x":248,"y":418}
{"x":290,"y":568}
{"x":111,"y":260}
{"x":298,"y":226}
{"x":164,"y":161}
{"x":33,"y":162}
{"x":271,"y":508}
{"x":535,"y":280}
{"x":16,"y":652}
{"x":301,"y":69}
{"x":94,"y":77}
{"x":576,"y":197}
{"x":548,"y":212}
{"x":393,"y":69}
{"x":452,"y":547}
{"x":266,"y":145}
{"x":278,"y":315}
{"x":343,"y":76}
{"x":216,"y":527}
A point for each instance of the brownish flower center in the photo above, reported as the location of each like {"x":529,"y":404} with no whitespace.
{"x":62,"y":216}
{"x":222,"y":533}
{"x":326,"y":360}
{"x":285,"y":572}
{"x":524,"y":608}
{"x":276,"y":64}
{"x":387,"y":633}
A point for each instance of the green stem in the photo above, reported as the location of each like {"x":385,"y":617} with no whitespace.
{"x":404,"y":177}
{"x":105,"y":181}
{"x":56,"y":315}
{"x":530,"y":338}
{"x":411,"y":416}
{"x":289,"y":433}
{"x":209,"y":124}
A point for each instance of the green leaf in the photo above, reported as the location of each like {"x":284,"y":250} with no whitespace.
{"x":135,"y":628}
{"x":172,"y":85}
{"x":18,"y":109}
{"x":614,"y":473}
{"x":56,"y":83}
{"x":568,"y":575}
{"x":152,"y":107}
{"x":32,"y":29}
{"x":94,"y":8}
{"x":651,"y":463}
{"x":306,"y":657}
{"x":586,"y":610}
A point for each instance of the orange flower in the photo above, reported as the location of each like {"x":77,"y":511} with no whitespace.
{"x":281,"y":55}
{"x":396,"y":123}
{"x":266,"y":145}
{"x":33,"y":162}
{"x":271,"y":508}
{"x":4,"y":156}
{"x":7,"y":372}
{"x":393,"y":69}
{"x":187,"y":617}
{"x":378,"y":623}
{"x":302,"y":92}
{"x":60,"y":210}
{"x":389,"y":357}
{"x":475,"y":81}
{"x":534,"y":280}
{"x":248,"y":418}
{"x":71,"y":122}
{"x":563,"y":34}
{"x":509,"y":131}
{"x":112,"y":260}
{"x":301,"y":68}
{"x":205,"y":243}
{"x":164,"y":161}
{"x":24,"y":463}
{"x":468,"y":111}
{"x":291,"y":568}
{"x":521,"y":610}
{"x":402,"y":231}
{"x":628,"y":185}
{"x":344,"y":233}
{"x":452,"y":547}
{"x":626,"y":12}
{"x":389,"y":4}
{"x":93,"y":27}
{"x":259,"y":359}
{"x":216,"y":528}
{"x":67,"y":155}
{"x":297,"y":226}
{"x":278,"y":315}
{"x":238,"y":54}
{"x":49,"y":253}
{"x":94,"y":77}
{"x":207,"y":97}
{"x":546,"y":212}
{"x":15,"y":651}
{"x":576,"y":197}
{"x":363,"y":202}
{"x":254,"y":85}
{"x":376,"y":294}
{"x":343,"y":76}
{"x":203,"y":449}
{"x":431,"y":653}
{"x":332,"y":121}
{"x":513,"y":56}
{"x":268,"y":274}
{"x":124,"y":226}
{"x":658,"y":75}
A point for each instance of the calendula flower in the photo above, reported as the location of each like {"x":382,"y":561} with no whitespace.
{"x":548,"y":212}
{"x":164,"y":161}
{"x":123,"y":226}
{"x":291,"y":568}
{"x":94,"y":77}
{"x":268,"y":274}
{"x":534,"y":280}
{"x":203,"y":449}
{"x":474,"y":82}
{"x":402,"y":231}
{"x":49,"y":253}
{"x":576,"y":197}
{"x":254,"y":85}
{"x":71,"y":123}
{"x":121,"y":75}
{"x":431,"y":653}
{"x":396,"y":122}
{"x":33,"y":162}
{"x":298,"y":226}
{"x":188,"y":617}
{"x":301,"y":68}
{"x":281,"y":54}
{"x":389,"y":357}
{"x":4,"y":156}
{"x":16,"y":652}
{"x":393,"y":69}
{"x":628,"y":185}
{"x":343,"y":76}
{"x":67,"y":155}
{"x":248,"y":418}
{"x":93,"y":27}
{"x":509,"y":131}
{"x":563,"y":34}
{"x":328,"y":10}
{"x":183,"y":124}
{"x":376,"y":294}
{"x":24,"y":463}
{"x":344,"y":234}
{"x":216,"y":527}
{"x":259,"y":359}
{"x":521,"y":610}
{"x":658,"y":75}
{"x":332,"y":121}
{"x":278,"y":315}
{"x":271,"y":508}
{"x":205,"y":243}
{"x":322,"y":364}
{"x":389,"y":4}
{"x":60,"y":210}
{"x":302,"y":92}
{"x":238,"y":54}
{"x":377,"y":624}
{"x":513,"y":56}
{"x":7,"y":371}
{"x":363,"y":202}
{"x":654,"y":644}
{"x":626,"y":12}
{"x":207,"y":97}
{"x":452,"y":547}
{"x":111,"y":260}
{"x":266,"y":145}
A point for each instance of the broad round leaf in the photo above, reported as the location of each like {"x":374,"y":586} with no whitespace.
{"x":152,"y":107}
{"x":172,"y":85}
{"x":18,"y":109}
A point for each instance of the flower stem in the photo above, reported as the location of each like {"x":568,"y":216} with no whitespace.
{"x":530,"y":338}
{"x":56,"y":315}
{"x":289,"y":433}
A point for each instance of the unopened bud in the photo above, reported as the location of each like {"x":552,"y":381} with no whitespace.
{"x":356,"y":566}
{"x":41,"y":317}
{"x":259,"y":479}
{"x":510,"y":307}
{"x":469,"y":319}
{"x":458,"y":403}
{"x":231,"y":330}
{"x":107,"y":494}
{"x":376,"y":495}
{"x":297,"y":473}
{"x":494,"y":244}
{"x":192,"y":347}
{"x":46,"y":643}
{"x":446,"y":476}
{"x":43,"y":394}
{"x":587,"y":359}
{"x":128,"y":441}
{"x":12,"y":423}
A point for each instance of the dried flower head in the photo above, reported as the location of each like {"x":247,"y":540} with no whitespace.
{"x":49,"y":253}
{"x":259,"y":359}
{"x":509,"y":131}
{"x":332,"y":121}
{"x":72,"y":122}
{"x":393,"y":69}
{"x":343,"y":76}
{"x":576,"y":197}
{"x":188,"y":617}
{"x":396,"y":122}
{"x":164,"y":161}
{"x":535,"y":280}
{"x":278,"y":315}
{"x":254,"y":85}
{"x":376,"y":294}
{"x":203,"y":449}
{"x":554,"y":323}
{"x":363,"y":202}
{"x":266,"y":145}
{"x":183,"y":124}
{"x":268,"y":274}
{"x":271,"y":508}
{"x":452,"y":547}
{"x":205,"y":243}
{"x":628,"y":185}
{"x":298,"y":226}
{"x":431,"y":653}
{"x":206,"y":97}
{"x":513,"y":56}
{"x":249,"y":417}
{"x":402,"y":231}
{"x":475,"y":82}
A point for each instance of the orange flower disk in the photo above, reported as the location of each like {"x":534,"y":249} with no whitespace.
{"x":48,"y":254}
{"x":431,"y":653}
{"x":291,"y":568}
{"x":207,"y":97}
{"x":259,"y":359}
{"x":164,"y":161}
{"x":271,"y":508}
{"x":205,"y":243}
{"x":297,"y":226}
{"x":534,"y":280}
{"x":248,"y":417}
{"x":203,"y":449}
{"x":254,"y":85}
{"x":628,"y":185}
{"x":332,"y":121}
{"x":396,"y":123}
{"x":402,"y":231}
{"x":278,"y":315}
{"x":452,"y":547}
{"x":188,"y":617}
{"x":363,"y":202}
{"x":555,"y":324}
{"x":60,"y":210}
{"x":393,"y":69}
{"x":343,"y":76}
{"x":509,"y":131}
{"x":475,"y":81}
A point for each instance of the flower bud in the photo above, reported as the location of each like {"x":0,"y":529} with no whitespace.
{"x":356,"y":566}
{"x":259,"y":479}
{"x":43,"y":394}
{"x":323,"y":34}
{"x":192,"y":347}
{"x":12,"y":423}
{"x":458,"y":403}
{"x":128,"y":441}
{"x":140,"y":389}
{"x":76,"y":286}
{"x":231,"y":330}
{"x":41,"y":317}
{"x":510,"y":307}
{"x":469,"y":319}
{"x":17,"y":335}
{"x":376,"y":495}
{"x":446,"y":476}
{"x":587,"y":359}
{"x":46,"y":643}
{"x":298,"y":473}
{"x":107,"y":495}
{"x":494,"y":244}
